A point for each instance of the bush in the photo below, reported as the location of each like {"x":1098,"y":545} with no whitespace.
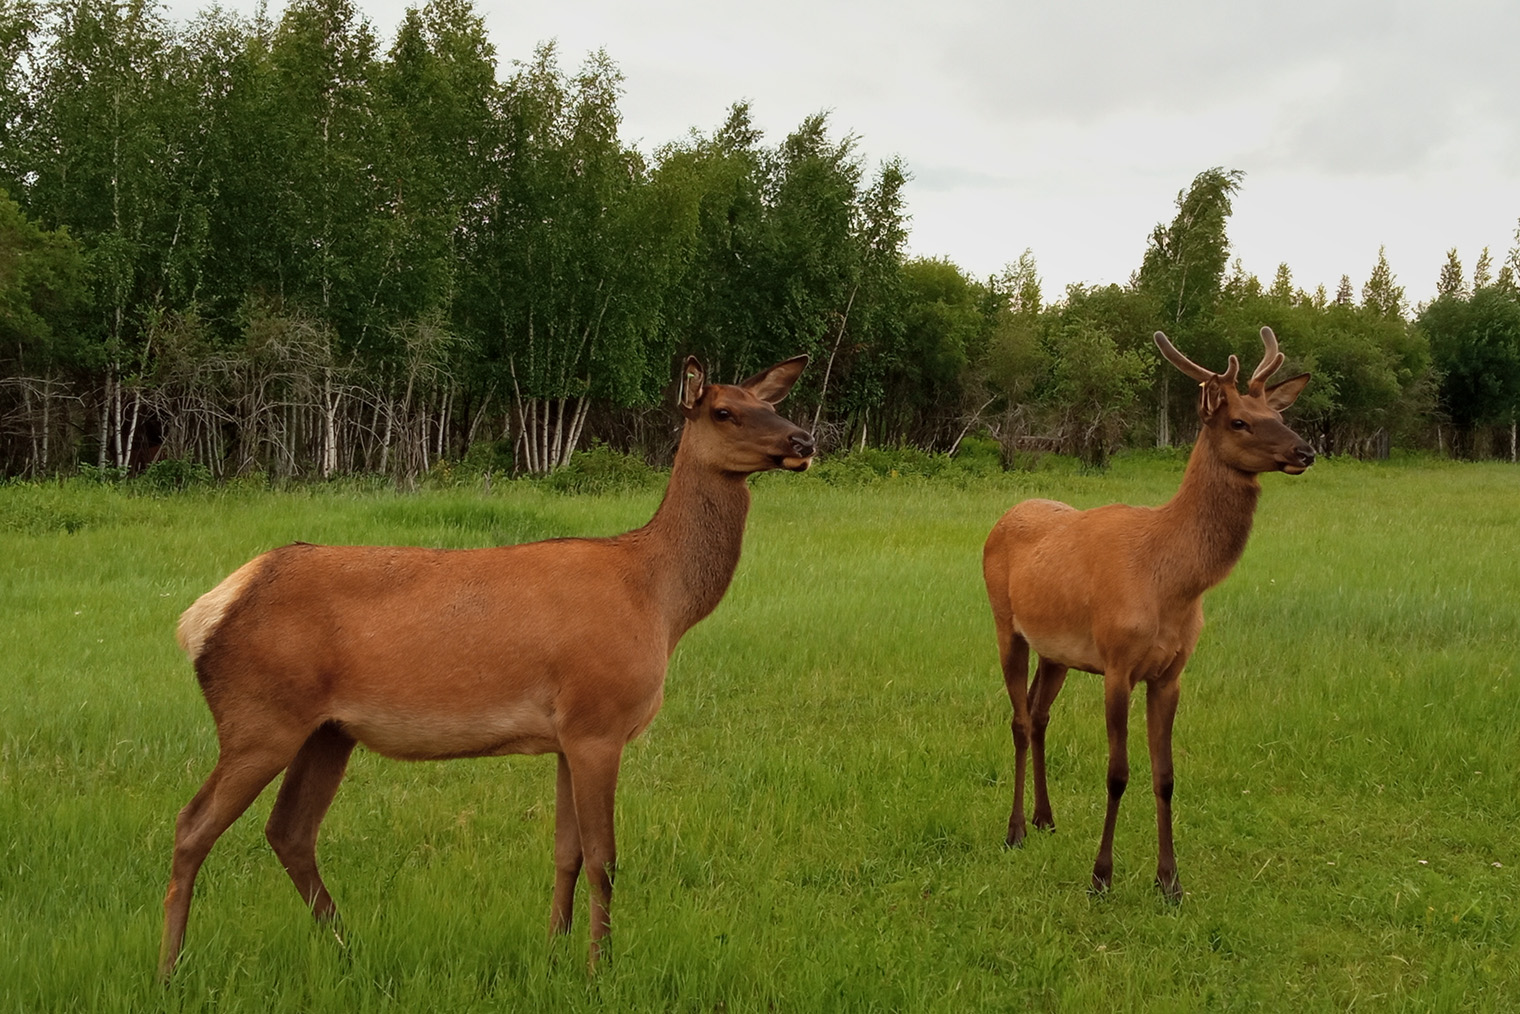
{"x":37,"y":509}
{"x":173,"y":474}
{"x":875,"y":464}
{"x":497,"y":456}
{"x":979,"y":456}
{"x":101,"y":474}
{"x":600,"y":469}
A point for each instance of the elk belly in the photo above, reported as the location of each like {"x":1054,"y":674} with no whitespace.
{"x":441,"y":730}
{"x":1073,"y":649}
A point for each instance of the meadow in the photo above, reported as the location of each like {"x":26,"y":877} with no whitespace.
{"x":815,"y":821}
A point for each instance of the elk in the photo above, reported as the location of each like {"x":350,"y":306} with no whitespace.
{"x":422,"y":654}
{"x":1118,"y":590}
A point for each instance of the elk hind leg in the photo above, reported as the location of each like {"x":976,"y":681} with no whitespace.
{"x":239,"y":776}
{"x":1049,"y":677}
{"x":307,"y":791}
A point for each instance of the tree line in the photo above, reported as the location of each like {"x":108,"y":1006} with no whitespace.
{"x":279,"y":246}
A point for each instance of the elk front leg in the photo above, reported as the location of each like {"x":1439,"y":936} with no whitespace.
{"x":1116,"y":689}
{"x":1160,"y":709}
{"x":1049,"y":677}
{"x":567,"y":851}
{"x":593,"y":777}
{"x":1016,"y":678}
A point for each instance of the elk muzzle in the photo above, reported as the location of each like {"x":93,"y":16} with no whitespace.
{"x":803,"y":449}
{"x":1299,"y":459}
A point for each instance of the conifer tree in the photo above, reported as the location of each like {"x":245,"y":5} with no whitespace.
{"x":1451,"y":282}
{"x":1382,"y":295}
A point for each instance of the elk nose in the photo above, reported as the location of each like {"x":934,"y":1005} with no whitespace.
{"x":803,"y":444}
{"x":1305,"y":455}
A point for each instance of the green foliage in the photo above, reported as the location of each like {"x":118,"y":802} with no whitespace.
{"x":1017,"y":361}
{"x":1475,"y":343}
{"x":1184,"y":264}
{"x":42,"y":293}
{"x":497,"y":456}
{"x":980,"y":454}
{"x":280,"y":248}
{"x":174,"y":474}
{"x":100,"y":475}
{"x":891,"y":463}
{"x":602,"y":470}
{"x":1452,"y":283}
{"x":1382,"y":296}
{"x":37,"y":509}
{"x":976,"y":457}
{"x":1371,"y":369}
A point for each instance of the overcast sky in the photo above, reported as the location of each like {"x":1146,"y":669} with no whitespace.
{"x":1069,"y":127}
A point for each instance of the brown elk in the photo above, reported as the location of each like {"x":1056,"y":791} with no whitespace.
{"x":1118,"y":590}
{"x":550,"y":647}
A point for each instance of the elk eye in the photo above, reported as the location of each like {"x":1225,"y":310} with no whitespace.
{"x":1239,"y":424}
{"x":722,"y":414}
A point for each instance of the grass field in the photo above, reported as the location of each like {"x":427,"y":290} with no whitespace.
{"x":815,"y":820}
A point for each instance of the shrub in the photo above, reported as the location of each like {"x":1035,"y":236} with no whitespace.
{"x":600,"y":469}
{"x":497,"y":456}
{"x":36,"y":509}
{"x":979,"y":456}
{"x":172,"y":474}
{"x":101,"y":474}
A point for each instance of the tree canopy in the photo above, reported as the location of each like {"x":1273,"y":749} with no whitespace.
{"x":286,"y":246}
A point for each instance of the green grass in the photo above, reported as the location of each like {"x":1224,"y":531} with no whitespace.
{"x":815,"y":820}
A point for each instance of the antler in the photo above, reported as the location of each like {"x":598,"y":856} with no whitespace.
{"x":1181,"y":361}
{"x":1192,"y":369}
{"x":1271,"y":359}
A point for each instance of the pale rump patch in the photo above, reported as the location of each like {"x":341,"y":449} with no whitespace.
{"x":197,"y":623}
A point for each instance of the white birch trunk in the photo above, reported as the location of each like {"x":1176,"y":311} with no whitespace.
{"x":105,"y":423}
{"x":329,"y":427}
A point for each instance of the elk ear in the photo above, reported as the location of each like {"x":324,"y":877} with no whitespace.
{"x":774,"y":384}
{"x":1213,"y":395}
{"x":1280,"y":396}
{"x":693,"y":381}
{"x":1211,"y":398}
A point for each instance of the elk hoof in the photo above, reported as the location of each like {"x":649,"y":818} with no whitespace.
{"x":1102,"y":879}
{"x":1170,"y":886}
{"x":1016,"y":835}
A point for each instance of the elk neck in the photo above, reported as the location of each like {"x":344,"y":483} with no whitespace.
{"x":690,"y":548}
{"x":1203,"y":529}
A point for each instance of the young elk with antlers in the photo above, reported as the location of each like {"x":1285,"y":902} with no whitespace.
{"x":551,"y":647}
{"x":1118,"y":590}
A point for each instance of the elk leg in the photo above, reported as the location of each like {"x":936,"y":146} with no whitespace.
{"x":310,"y":783}
{"x":1049,"y":677}
{"x":1016,"y":678}
{"x":593,"y":778}
{"x":1160,"y":708}
{"x":567,"y":851}
{"x":1116,"y":691}
{"x":235,"y":782}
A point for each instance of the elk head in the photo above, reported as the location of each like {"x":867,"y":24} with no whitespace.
{"x":1246,"y":430}
{"x":735,"y":427}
